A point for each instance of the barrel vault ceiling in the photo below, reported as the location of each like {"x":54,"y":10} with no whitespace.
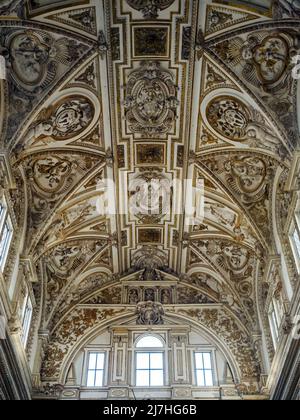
{"x":130,"y":91}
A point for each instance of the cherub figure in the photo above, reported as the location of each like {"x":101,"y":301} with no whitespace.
{"x":39,"y":132}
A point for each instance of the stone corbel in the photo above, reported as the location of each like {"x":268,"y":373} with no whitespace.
{"x":29,"y":269}
{"x":14,"y":325}
{"x":6,"y":177}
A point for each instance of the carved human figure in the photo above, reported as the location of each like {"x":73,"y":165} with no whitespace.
{"x":61,"y":121}
{"x":149,"y":295}
{"x":256,"y":131}
{"x":43,"y":129}
{"x":165,"y":297}
{"x":133,"y":297}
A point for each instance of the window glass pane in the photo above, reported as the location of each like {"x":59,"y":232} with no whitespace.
{"x":95,"y":369}
{"x":100,"y":361}
{"x":4,"y":237}
{"x":199,"y":361}
{"x":143,"y":378}
{"x":297,"y":241}
{"x":208,"y":378}
{"x":149,"y":341}
{"x":207,"y":360}
{"x":200,"y":378}
{"x":91,"y":378}
{"x":99,"y":378}
{"x":157,"y":378}
{"x":5,"y":241}
{"x":204,"y":372}
{"x":274,"y":324}
{"x":92,"y":361}
{"x":156,"y":361}
{"x":1,"y":210}
{"x":142,"y":361}
{"x":26,"y":321}
{"x":298,"y":219}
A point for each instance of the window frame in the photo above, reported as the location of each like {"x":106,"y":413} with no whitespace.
{"x":26,"y":320}
{"x":150,"y":350}
{"x":88,"y":353}
{"x":5,"y":221}
{"x":274,"y":323}
{"x":149,"y":370}
{"x":295,"y":228}
{"x":212,"y":364}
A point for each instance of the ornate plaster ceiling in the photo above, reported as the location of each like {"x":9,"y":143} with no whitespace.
{"x":136,"y":90}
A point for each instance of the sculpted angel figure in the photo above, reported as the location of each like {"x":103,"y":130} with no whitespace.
{"x":61,"y":122}
{"x":41,"y":130}
{"x":256,"y":131}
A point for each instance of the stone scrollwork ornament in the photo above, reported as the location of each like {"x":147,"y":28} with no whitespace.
{"x":150,"y":100}
{"x":150,"y":8}
{"x":7,"y":7}
{"x":149,"y":313}
{"x":286,"y":8}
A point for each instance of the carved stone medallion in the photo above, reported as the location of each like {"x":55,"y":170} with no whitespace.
{"x":149,"y":313}
{"x":64,"y":120}
{"x":34,"y":57}
{"x":150,"y":102}
{"x":249,"y":172}
{"x":228,"y":116}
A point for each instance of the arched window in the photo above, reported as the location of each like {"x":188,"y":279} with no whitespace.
{"x":149,"y":361}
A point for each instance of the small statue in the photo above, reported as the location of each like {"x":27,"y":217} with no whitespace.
{"x":133,"y":297}
{"x":165,"y":297}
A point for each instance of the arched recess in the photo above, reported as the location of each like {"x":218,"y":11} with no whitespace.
{"x":214,"y":321}
{"x":174,"y":320}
